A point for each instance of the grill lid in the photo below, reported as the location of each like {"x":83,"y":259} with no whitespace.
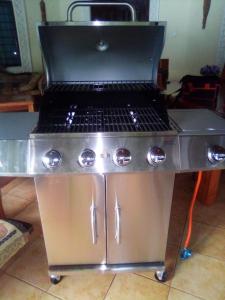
{"x":97,"y":51}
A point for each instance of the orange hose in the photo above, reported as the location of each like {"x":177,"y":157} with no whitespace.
{"x":190,"y":216}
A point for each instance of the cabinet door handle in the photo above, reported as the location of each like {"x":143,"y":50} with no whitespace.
{"x":93,"y":222}
{"x":117,"y":222}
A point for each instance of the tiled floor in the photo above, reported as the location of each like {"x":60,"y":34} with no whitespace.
{"x":201,"y":277}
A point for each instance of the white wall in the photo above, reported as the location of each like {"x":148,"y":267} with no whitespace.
{"x":187,"y":46}
{"x":56,"y":11}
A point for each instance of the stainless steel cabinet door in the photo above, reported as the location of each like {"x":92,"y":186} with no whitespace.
{"x":138,"y":211}
{"x":72,"y":210}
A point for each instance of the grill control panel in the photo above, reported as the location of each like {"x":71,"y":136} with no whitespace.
{"x":103,"y":154}
{"x":108,"y":154}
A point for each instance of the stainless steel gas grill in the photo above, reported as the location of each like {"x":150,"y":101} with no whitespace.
{"x":105,"y":150}
{"x":102,"y":128}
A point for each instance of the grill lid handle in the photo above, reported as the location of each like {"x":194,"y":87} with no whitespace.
{"x":76,"y":4}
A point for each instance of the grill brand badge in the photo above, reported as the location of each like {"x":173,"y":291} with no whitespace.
{"x":104,"y":155}
{"x":102,"y":46}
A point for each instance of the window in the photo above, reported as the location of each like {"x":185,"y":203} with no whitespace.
{"x":18,"y":9}
{"x":9,"y":46}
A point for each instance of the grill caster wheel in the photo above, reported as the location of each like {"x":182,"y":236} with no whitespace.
{"x":161,"y":276}
{"x":55,"y":279}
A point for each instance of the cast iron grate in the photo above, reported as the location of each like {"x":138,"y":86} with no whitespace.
{"x":101,"y":119}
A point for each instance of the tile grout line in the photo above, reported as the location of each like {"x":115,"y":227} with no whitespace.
{"x":50,"y":294}
{"x":218,"y":259}
{"x":18,"y":195}
{"x":14,"y":185}
{"x":201,"y":239}
{"x":154,"y":280}
{"x":21,"y":210}
{"x":51,"y":284}
{"x":167,"y":283}
{"x":211,"y":225}
{"x":157,"y":282}
{"x":168,"y":292}
{"x":25,"y":282}
{"x":109,"y":287}
{"x":200,"y":298}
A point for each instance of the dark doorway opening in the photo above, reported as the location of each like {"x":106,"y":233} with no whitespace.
{"x":108,"y":13}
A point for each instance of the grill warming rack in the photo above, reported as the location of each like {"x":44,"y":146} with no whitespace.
{"x":106,"y":86}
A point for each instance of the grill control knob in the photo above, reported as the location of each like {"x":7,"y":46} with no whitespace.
{"x":216,"y":154}
{"x":52,"y":159}
{"x":87,"y":158}
{"x":156,"y":156}
{"x":122,"y":157}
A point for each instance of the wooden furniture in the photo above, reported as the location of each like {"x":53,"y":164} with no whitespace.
{"x":43,"y":11}
{"x":18,"y":91}
{"x":17,"y":104}
{"x":163,"y":73}
{"x":198,"y":92}
{"x":209,"y":187}
{"x":2,"y":214}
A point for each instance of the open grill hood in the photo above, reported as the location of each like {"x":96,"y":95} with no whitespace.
{"x":101,"y":51}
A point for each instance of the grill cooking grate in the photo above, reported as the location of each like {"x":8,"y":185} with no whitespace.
{"x":98,"y":119}
{"x":82,"y":86}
